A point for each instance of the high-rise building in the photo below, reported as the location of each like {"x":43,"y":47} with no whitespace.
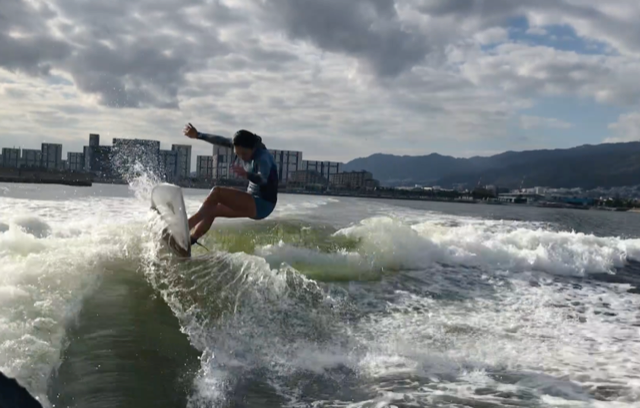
{"x":222,"y":160}
{"x":325,"y":168}
{"x":97,"y":160}
{"x":94,"y":139}
{"x":130,"y":156}
{"x":287,"y":162}
{"x":184,"y":160}
{"x":75,"y":161}
{"x":52,"y":156}
{"x":31,"y":158}
{"x":88,"y":152}
{"x":10,"y":157}
{"x":204,"y":167}
{"x":169,"y":164}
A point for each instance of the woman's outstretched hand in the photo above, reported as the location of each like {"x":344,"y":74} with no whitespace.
{"x":190,"y":131}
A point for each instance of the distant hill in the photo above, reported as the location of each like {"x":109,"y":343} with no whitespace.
{"x":588,"y":166}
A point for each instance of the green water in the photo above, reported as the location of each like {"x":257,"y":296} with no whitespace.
{"x":317,"y":238}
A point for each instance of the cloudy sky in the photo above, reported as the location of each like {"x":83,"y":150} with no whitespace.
{"x":337,"y":79}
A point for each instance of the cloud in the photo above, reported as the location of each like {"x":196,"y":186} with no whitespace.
{"x":627,"y":129}
{"x":333,"y":78}
{"x":542,"y":71}
{"x":536,"y":122}
{"x":492,"y":36}
{"x":368,"y":30}
{"x":127,"y":53}
{"x":537,"y":31}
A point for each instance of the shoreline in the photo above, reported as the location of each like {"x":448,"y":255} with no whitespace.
{"x":81,"y":180}
{"x":71,"y":183}
{"x":44,"y":176}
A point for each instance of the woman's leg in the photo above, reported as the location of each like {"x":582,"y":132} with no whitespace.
{"x":220,"y":211}
{"x":222,"y":202}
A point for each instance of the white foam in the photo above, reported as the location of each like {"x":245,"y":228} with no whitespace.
{"x":52,"y":255}
{"x":537,"y":330}
{"x":519,"y":330}
{"x":396,"y":244}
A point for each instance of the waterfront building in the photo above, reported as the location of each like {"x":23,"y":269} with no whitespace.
{"x":31,"y":158}
{"x":10,"y":157}
{"x":52,"y":156}
{"x":183,"y":169}
{"x":204,"y":167}
{"x":75,"y":161}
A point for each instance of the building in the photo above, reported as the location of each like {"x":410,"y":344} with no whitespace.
{"x":130,"y":156}
{"x":222,"y":160}
{"x":371,"y":184}
{"x":325,"y":168}
{"x":75,"y":161}
{"x":492,"y":189}
{"x":169,"y":164}
{"x":519,"y":198}
{"x":353,"y":180}
{"x":97,"y":160}
{"x":52,"y":156}
{"x":184,"y":160}
{"x":10,"y":157}
{"x":304,"y":178}
{"x":94,"y":139}
{"x":31,"y":158}
{"x":287,"y":162}
{"x":204,"y":167}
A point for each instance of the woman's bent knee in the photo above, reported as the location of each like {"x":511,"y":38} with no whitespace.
{"x":213,"y":198}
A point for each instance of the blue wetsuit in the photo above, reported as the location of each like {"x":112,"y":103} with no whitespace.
{"x":262,"y":174}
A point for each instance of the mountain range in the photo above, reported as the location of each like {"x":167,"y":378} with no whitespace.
{"x":588,"y":166}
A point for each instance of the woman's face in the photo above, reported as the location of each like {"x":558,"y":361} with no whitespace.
{"x":243,"y":152}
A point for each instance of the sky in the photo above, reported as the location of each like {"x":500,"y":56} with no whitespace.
{"x":337,"y":79}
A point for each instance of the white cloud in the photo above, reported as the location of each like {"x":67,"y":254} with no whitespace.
{"x":493,"y":35}
{"x":542,"y":71}
{"x":537,"y":122}
{"x":537,"y":31}
{"x":627,"y":129}
{"x":335,"y":79}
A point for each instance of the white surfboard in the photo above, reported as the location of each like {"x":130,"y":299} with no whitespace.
{"x":168,"y":201}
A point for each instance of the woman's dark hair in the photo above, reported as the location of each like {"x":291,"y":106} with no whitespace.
{"x":246,"y":139}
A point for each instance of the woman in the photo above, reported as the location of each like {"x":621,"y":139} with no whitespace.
{"x":260,"y":199}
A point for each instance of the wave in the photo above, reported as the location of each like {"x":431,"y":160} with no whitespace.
{"x":388,"y":244}
{"x":269,"y":306}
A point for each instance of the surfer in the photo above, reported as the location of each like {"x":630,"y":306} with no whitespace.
{"x":258,"y":202}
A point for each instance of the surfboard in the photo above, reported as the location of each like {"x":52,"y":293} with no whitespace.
{"x":168,"y":201}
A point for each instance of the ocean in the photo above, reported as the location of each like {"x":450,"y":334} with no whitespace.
{"x":331,"y":302}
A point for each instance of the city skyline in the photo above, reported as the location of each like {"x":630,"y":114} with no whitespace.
{"x":66,"y":150}
{"x":458,"y":78}
{"x":163,"y":147}
{"x":125,"y":155}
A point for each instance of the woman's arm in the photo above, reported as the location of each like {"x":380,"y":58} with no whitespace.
{"x":215,"y":139}
{"x":191,"y":132}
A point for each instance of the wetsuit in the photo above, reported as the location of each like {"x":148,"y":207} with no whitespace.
{"x":262,"y":174}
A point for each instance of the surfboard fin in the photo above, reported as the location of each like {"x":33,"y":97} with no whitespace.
{"x":197,"y":243}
